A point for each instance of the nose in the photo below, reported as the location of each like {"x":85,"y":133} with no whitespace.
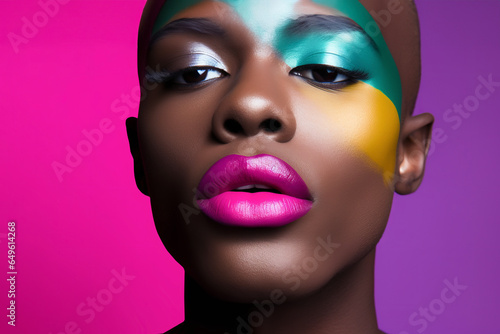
{"x":257,"y":103}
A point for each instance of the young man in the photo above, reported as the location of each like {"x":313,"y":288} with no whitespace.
{"x":271,"y":137}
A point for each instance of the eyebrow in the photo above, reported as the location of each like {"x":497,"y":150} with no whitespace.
{"x":325,"y":23}
{"x":194,"y":25}
{"x":299,"y":26}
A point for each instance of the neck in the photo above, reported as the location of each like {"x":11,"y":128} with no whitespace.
{"x":344,"y":305}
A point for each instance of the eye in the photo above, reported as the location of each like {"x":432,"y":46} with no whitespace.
{"x":196,"y":75}
{"x":322,"y":74}
{"x":189,"y":77}
{"x":328,"y":77}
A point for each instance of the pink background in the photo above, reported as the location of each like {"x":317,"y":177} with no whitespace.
{"x":74,"y":233}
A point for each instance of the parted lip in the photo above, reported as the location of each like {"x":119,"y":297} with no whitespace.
{"x":264,"y":171}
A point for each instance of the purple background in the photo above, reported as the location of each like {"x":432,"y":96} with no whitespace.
{"x":74,"y":234}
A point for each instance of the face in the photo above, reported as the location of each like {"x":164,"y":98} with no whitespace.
{"x":270,"y":135}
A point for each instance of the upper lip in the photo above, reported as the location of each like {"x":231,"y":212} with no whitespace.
{"x":234,"y":171}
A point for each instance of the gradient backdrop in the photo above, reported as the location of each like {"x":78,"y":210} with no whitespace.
{"x":75,"y":71}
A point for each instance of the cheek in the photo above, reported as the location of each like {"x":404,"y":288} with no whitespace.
{"x":173,"y":129}
{"x":170,"y":120}
{"x":171,"y":135}
{"x":365,"y":120}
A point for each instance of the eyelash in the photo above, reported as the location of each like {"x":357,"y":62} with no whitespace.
{"x":169,"y":79}
{"x":351,"y":76}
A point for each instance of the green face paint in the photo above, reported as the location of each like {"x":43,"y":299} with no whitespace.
{"x":169,"y":9}
{"x":351,"y":49}
{"x":262,"y":17}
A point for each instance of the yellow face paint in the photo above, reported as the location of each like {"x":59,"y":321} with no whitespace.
{"x":366,"y":118}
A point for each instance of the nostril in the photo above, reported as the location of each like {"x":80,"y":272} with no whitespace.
{"x":271,"y":125}
{"x":233,"y":126}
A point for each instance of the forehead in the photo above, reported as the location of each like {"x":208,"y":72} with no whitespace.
{"x":264,"y":16}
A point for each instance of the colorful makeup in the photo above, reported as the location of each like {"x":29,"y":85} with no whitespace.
{"x":354,"y":39}
{"x":344,"y":42}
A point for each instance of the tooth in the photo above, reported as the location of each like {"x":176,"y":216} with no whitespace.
{"x":250,"y":186}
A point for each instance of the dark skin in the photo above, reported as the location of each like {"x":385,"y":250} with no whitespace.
{"x":180,"y":134}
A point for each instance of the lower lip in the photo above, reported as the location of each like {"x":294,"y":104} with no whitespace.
{"x":261,"y":209}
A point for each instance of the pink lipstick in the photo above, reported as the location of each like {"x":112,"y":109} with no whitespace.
{"x":258,"y":191}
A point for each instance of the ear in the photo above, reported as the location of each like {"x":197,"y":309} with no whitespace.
{"x":412,"y":152}
{"x":140,"y":176}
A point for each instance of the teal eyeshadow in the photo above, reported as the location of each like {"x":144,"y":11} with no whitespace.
{"x":349,"y":50}
{"x":390,"y":82}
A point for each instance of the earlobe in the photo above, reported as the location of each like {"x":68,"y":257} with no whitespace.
{"x":412,"y":152}
{"x":140,"y":177}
